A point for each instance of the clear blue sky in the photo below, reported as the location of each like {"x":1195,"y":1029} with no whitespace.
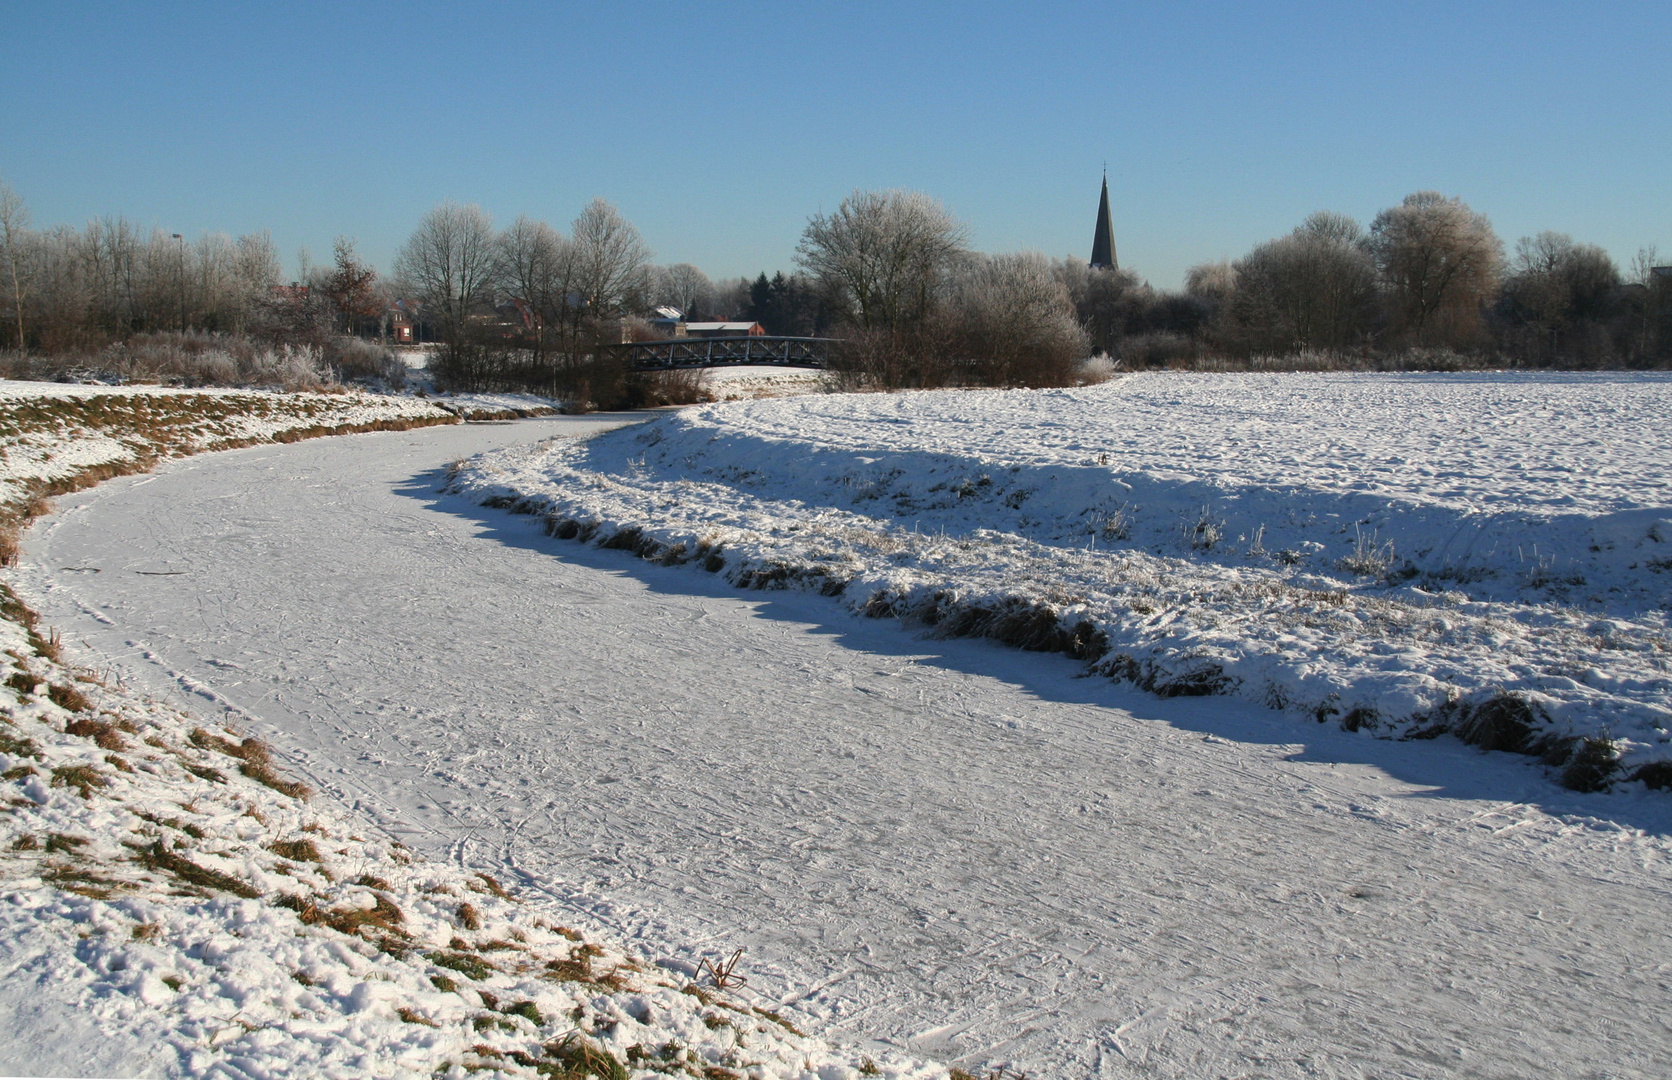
{"x":719,"y":128}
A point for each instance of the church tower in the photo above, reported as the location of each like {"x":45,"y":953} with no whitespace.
{"x":1103,"y":240}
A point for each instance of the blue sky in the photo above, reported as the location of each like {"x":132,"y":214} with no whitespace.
{"x":719,"y":128}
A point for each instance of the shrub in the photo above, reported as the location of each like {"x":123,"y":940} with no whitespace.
{"x":1591,"y":766}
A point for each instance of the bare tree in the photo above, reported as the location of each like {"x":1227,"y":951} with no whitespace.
{"x":1560,"y":293}
{"x":685,"y":287}
{"x":16,"y":244}
{"x":1439,"y":261}
{"x":255,"y":271}
{"x":611,"y":259}
{"x":884,"y":252}
{"x":537,"y":268}
{"x":449,"y":263}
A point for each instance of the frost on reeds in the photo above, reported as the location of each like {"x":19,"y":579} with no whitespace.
{"x":203,"y":358}
{"x":1368,"y":558}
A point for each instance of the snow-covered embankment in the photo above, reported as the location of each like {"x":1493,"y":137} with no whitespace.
{"x":1488,"y":555}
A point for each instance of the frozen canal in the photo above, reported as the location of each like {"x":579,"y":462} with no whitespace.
{"x":957,"y":849}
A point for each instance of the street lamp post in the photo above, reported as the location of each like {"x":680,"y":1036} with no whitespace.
{"x":182,"y":281}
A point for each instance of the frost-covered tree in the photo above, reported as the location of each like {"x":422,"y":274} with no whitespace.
{"x":1010,"y":317}
{"x":611,"y":260}
{"x":1439,"y":263}
{"x":1315,"y":288}
{"x":884,"y":253}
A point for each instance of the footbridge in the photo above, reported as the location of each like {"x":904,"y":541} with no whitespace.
{"x":701,"y":352}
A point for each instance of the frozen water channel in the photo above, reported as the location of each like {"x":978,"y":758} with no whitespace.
{"x":957,"y":849}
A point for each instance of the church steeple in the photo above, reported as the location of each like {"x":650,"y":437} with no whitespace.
{"x":1103,"y":240}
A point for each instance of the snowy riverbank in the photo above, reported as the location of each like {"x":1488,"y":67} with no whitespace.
{"x":1485,"y":554}
{"x":173,"y":904}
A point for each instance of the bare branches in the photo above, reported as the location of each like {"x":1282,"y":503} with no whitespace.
{"x":611,"y":259}
{"x":887,"y":251}
{"x":15,"y":245}
{"x":450,"y":262}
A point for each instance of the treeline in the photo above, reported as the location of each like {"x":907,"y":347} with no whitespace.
{"x":532,"y":307}
{"x":1429,"y":283}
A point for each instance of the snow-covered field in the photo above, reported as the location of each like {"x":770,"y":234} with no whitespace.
{"x":1489,"y":554}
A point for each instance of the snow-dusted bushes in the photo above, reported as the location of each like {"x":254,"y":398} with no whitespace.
{"x":194,"y":358}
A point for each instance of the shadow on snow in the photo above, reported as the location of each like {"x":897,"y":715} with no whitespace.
{"x":1442,"y":767}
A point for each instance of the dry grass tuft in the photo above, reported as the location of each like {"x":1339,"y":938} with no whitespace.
{"x":84,"y":778}
{"x":776,"y":1018}
{"x":103,"y":733}
{"x":492,"y":885}
{"x":70,"y":699}
{"x":296,"y":850}
{"x":468,"y":964}
{"x":413,"y":1016}
{"x":577,"y":1058}
{"x":157,"y":856}
{"x":256,"y":759}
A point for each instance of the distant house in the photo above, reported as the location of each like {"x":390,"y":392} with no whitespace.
{"x":667,"y":320}
{"x":401,"y":319}
{"x":724,"y":329}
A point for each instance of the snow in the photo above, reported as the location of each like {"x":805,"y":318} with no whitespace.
{"x":1378,"y":549}
{"x":54,"y":432}
{"x":742,"y":382}
{"x":941,"y":848}
{"x":496,"y":406}
{"x":171,"y":907}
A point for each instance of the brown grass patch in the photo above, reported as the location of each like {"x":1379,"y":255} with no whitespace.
{"x":256,"y":759}
{"x":103,"y":733}
{"x":71,"y":699}
{"x":84,"y":778}
{"x":296,"y":850}
{"x":157,"y":856}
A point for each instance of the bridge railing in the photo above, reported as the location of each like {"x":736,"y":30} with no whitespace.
{"x":698,"y":352}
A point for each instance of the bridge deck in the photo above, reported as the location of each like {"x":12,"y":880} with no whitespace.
{"x":699,"y":352}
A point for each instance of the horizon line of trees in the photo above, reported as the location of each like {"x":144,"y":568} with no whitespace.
{"x":531,"y":307}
